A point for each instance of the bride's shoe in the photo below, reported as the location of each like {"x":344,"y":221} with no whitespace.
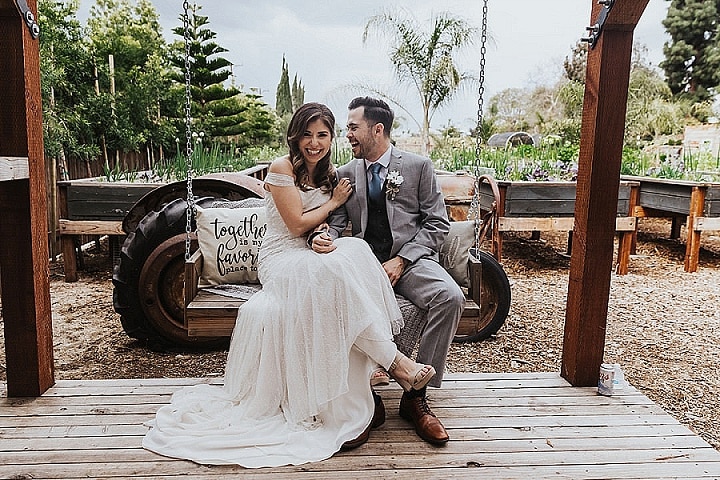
{"x":379,"y":377}
{"x":418,"y":378}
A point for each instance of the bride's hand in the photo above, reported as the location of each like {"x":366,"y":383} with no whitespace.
{"x":342,"y":191}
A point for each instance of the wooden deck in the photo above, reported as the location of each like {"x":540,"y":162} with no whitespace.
{"x":524,"y":426}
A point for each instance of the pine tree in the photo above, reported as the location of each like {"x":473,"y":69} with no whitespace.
{"x":208,"y":70}
{"x":283,"y":97}
{"x":217,"y":110}
{"x":692,"y":57}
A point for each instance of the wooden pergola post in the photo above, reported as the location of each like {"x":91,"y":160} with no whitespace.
{"x":24,"y":257}
{"x":601,"y":142}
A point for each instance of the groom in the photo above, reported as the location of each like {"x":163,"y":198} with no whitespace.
{"x":399,"y":210}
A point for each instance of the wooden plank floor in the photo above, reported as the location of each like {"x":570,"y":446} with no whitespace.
{"x":506,"y":426}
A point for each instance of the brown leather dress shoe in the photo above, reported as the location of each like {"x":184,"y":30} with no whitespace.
{"x":379,"y":414}
{"x":427,"y":425}
{"x":377,"y":420}
{"x":357,"y":441}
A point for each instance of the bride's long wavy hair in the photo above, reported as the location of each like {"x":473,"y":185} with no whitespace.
{"x":324,"y":175}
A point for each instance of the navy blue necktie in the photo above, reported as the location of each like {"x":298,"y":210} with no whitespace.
{"x":375,"y":187}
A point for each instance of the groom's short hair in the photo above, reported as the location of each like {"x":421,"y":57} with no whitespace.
{"x":376,"y":111}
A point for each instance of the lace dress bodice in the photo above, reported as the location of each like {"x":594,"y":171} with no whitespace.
{"x":277,"y":237}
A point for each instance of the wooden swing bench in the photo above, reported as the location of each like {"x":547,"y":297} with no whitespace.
{"x":209,"y":314}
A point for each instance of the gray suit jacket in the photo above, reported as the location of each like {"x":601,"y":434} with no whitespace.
{"x":417,"y":215}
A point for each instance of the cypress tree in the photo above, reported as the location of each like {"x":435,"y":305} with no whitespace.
{"x":298,"y":93}
{"x":283,"y":97}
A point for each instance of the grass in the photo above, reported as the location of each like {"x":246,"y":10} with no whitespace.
{"x":213,"y":158}
{"x":117,"y":174}
{"x":548,"y":162}
{"x":554,"y":161}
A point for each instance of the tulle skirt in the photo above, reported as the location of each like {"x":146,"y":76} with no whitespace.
{"x":296,"y":388}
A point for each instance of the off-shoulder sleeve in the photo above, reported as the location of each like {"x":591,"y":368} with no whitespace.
{"x":279,"y":179}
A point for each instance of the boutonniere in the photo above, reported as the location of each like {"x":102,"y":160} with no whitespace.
{"x":392,"y":184}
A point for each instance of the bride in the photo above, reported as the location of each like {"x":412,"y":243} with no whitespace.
{"x":304,"y":348}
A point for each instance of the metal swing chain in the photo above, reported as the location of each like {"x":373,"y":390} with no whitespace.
{"x":475,"y":203}
{"x":190,"y":209}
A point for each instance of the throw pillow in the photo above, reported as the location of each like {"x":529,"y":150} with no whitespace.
{"x":456,"y":249}
{"x":229,"y":239}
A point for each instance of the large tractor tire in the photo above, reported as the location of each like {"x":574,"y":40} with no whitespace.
{"x":494,"y":299}
{"x":149,"y":278}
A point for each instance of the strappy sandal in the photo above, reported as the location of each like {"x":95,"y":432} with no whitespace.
{"x":379,"y":377}
{"x":419,"y":380}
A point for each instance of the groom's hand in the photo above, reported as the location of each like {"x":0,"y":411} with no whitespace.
{"x":321,"y":241}
{"x":394,"y":269}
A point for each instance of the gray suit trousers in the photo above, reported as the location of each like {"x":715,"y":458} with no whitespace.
{"x":429,"y":286}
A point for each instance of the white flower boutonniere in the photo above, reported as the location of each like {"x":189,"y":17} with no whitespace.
{"x":392,"y":185}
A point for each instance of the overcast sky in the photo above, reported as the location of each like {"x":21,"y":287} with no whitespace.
{"x":322,"y":43}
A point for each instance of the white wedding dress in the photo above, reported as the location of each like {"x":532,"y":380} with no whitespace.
{"x":296,"y":388}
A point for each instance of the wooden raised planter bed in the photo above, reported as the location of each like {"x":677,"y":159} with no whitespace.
{"x":95,"y":208}
{"x":550,"y":206}
{"x":695,"y":204}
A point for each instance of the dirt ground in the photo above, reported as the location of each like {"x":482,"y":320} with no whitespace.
{"x":663,"y":325}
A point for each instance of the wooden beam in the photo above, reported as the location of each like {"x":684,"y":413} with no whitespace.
{"x":628,"y":238}
{"x":90,"y":227}
{"x":13,"y":168}
{"x":692,"y":244}
{"x":69,"y":230}
{"x":24,"y":259}
{"x":624,"y":16}
{"x":554,"y":224}
{"x":703,"y":224}
{"x":601,"y":142}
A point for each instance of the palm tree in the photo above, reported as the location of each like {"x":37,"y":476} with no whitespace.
{"x":425,"y":60}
